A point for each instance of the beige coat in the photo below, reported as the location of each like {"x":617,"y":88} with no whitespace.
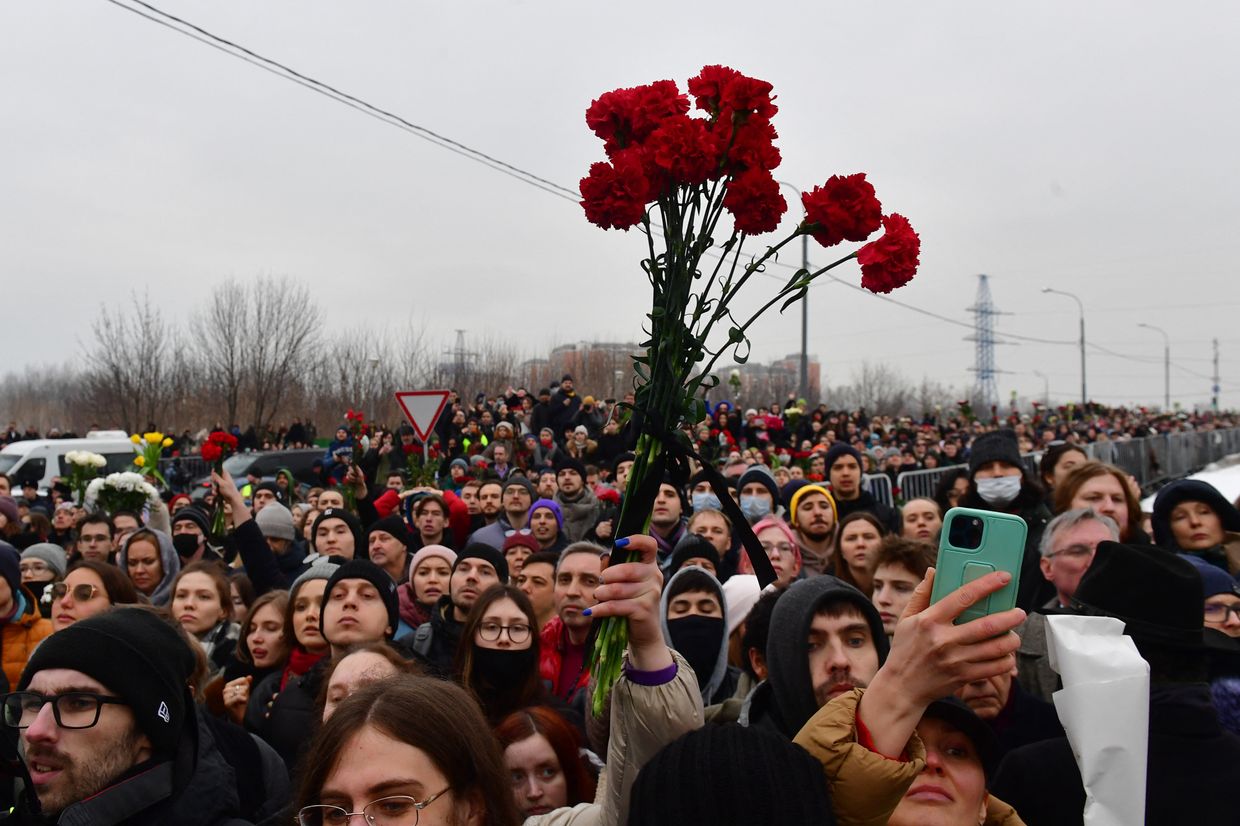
{"x":644,"y":719}
{"x":866,"y":787}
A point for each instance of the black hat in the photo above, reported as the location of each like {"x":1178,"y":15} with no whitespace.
{"x":393,"y":524}
{"x":566,"y":377}
{"x":959,"y":716}
{"x":571,"y":463}
{"x":692,"y":546}
{"x":1157,"y":594}
{"x":359,"y":541}
{"x":480,"y":550}
{"x":627,"y":456}
{"x":270,"y":487}
{"x":728,"y":774}
{"x":1189,"y":490}
{"x":135,"y":655}
{"x":191,"y":513}
{"x":838,"y":451}
{"x":763,"y":476}
{"x":376,"y":576}
{"x":997,"y":446}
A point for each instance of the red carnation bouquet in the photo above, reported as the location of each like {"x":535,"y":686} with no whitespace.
{"x":676,"y":163}
{"x":356,"y":423}
{"x":218,"y":447}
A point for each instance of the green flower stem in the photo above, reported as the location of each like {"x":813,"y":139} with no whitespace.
{"x":613,"y":633}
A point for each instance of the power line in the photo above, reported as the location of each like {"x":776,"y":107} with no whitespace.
{"x":278,"y":69}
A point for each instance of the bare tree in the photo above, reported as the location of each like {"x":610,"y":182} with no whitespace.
{"x":127,"y":364}
{"x":221,"y":334}
{"x":878,"y":388}
{"x":283,"y":319}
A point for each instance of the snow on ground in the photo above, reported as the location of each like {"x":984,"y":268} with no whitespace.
{"x":1223,"y":474}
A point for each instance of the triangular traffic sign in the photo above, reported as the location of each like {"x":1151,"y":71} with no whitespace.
{"x":423,"y":408}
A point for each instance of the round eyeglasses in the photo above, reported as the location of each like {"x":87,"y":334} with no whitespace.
{"x":396,"y":810}
{"x":491,"y":631}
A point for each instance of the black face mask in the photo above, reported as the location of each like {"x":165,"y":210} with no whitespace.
{"x":185,"y":544}
{"x":503,"y":668}
{"x":698,"y":639}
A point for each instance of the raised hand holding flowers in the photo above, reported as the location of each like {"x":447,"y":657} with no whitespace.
{"x":218,"y":447}
{"x":675,"y":175}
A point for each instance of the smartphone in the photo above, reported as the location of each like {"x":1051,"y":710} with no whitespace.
{"x":974,"y":543}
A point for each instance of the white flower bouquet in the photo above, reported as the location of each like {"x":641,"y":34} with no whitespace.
{"x":124,"y":491}
{"x":83,"y":467}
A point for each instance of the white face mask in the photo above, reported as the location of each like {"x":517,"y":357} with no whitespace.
{"x":1000,"y":490}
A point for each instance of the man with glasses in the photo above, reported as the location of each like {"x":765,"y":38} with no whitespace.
{"x":95,"y":538}
{"x":107,"y":731}
{"x":1068,"y":546}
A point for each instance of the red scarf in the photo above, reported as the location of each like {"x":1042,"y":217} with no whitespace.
{"x":299,"y":662}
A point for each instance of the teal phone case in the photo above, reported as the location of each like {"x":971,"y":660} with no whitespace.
{"x":1002,"y":548}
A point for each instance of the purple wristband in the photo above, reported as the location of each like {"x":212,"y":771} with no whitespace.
{"x":650,"y":678}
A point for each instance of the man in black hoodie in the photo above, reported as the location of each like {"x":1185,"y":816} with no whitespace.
{"x":825,"y":639}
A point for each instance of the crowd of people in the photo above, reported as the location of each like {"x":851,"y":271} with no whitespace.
{"x":419,"y":652}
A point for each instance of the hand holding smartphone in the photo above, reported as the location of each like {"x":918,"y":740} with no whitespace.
{"x":974,"y":543}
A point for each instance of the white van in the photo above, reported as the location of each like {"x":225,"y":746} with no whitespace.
{"x":43,"y":460}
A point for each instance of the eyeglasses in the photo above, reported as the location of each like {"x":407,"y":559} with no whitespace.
{"x":1221,"y":613}
{"x":1072,"y":552}
{"x":33,"y":567}
{"x":73,"y":709}
{"x":515,"y":532}
{"x":781,"y":547}
{"x":397,"y":810}
{"x":81,"y":593}
{"x":491,"y":631}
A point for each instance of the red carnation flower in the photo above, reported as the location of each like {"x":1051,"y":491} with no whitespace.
{"x":747,"y":96}
{"x":614,"y":195}
{"x":755,"y":201}
{"x":749,"y":145}
{"x":891,"y":261}
{"x":211,"y":452}
{"x":624,"y":117}
{"x":842,"y":209}
{"x":683,"y":149}
{"x":707,"y":87}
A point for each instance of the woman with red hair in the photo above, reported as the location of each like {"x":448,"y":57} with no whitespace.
{"x":543,"y":755}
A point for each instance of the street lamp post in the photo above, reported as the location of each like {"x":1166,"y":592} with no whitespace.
{"x":1166,"y":364}
{"x":1081,"y":308}
{"x":804,"y":377}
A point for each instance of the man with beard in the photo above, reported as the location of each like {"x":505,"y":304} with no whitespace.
{"x":108,"y":731}
{"x":564,"y":643}
{"x":578,"y":504}
{"x":812,"y":513}
{"x":489,"y":495}
{"x":825,"y":639}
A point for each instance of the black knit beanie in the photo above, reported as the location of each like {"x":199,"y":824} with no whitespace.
{"x":840,"y":450}
{"x":725,"y":775}
{"x":996,"y":446}
{"x":376,"y":576}
{"x":135,"y":655}
{"x":479,"y":550}
{"x":359,"y":541}
{"x":692,"y":546}
{"x":393,"y":524}
{"x":192,"y":513}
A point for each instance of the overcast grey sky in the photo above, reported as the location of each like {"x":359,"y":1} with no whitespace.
{"x":1091,"y":147}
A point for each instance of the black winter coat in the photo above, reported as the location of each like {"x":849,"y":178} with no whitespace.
{"x":287,"y":719}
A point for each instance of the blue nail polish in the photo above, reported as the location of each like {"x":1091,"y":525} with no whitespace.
{"x":622,"y":542}
{"x":586,"y":613}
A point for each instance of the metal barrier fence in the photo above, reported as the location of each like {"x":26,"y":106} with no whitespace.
{"x":1150,"y":460}
{"x":879,"y":486}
